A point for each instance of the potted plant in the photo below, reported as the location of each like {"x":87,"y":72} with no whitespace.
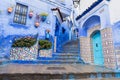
{"x":43,"y":16}
{"x":24,"y":42}
{"x":24,"y":49}
{"x":45,"y":48}
{"x":47,"y":30}
{"x":37,"y":24}
{"x":31,"y":14}
{"x":37,"y":21}
{"x":10,"y":9}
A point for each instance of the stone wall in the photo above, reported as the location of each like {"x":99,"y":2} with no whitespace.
{"x":45,"y":53}
{"x":86,"y":46}
{"x":85,"y":50}
{"x":92,"y":30}
{"x":24,"y":53}
{"x":108,"y":48}
{"x":107,"y":44}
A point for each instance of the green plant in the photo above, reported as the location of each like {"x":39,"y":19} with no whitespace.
{"x":44,"y":44}
{"x":43,"y":14}
{"x":24,"y":42}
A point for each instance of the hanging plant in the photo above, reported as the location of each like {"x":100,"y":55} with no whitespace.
{"x":10,"y":9}
{"x":31,"y":14}
{"x":43,"y":16}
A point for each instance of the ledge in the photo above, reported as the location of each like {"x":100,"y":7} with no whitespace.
{"x":16,"y":25}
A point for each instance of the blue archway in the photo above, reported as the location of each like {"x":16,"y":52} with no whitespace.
{"x":96,"y":41}
{"x":89,"y":23}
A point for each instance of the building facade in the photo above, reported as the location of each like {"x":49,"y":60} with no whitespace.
{"x":99,"y":41}
{"x":24,"y":18}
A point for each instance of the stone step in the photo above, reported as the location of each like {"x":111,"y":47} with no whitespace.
{"x":66,"y":54}
{"x":57,"y":72}
{"x":59,"y":76}
{"x":70,"y":46}
{"x":50,"y":62}
{"x":74,"y":49}
{"x":70,"y":51}
{"x":60,"y":61}
{"x":73,"y":42}
{"x":66,"y":58}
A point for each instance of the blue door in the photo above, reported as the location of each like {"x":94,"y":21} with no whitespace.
{"x":97,"y":49}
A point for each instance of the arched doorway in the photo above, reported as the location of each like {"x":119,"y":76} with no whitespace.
{"x":97,"y":48}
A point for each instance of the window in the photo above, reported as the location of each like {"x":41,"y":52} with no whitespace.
{"x":20,"y":14}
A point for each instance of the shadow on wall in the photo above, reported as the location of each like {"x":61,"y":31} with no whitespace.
{"x":63,"y":36}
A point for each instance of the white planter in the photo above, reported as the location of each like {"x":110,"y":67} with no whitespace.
{"x":24,"y":53}
{"x":45,"y":53}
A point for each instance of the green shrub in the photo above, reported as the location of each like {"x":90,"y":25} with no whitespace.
{"x":24,"y":42}
{"x":43,"y":14}
{"x":44,"y":44}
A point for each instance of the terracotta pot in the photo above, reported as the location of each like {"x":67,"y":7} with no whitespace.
{"x":30,"y":14}
{"x":48,"y":30}
{"x":37,"y":24}
{"x":10,"y":9}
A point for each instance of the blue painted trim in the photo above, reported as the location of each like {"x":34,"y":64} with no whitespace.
{"x":89,"y":9}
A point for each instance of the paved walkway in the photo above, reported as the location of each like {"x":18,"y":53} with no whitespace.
{"x":52,"y":68}
{"x":54,"y":72}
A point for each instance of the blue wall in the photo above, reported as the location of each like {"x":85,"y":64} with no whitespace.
{"x":116,"y":34}
{"x":63,"y":36}
{"x":89,"y":23}
{"x":10,"y":30}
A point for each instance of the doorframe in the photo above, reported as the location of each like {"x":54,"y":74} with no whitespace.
{"x":90,"y":32}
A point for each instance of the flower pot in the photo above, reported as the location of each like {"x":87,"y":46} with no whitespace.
{"x":37,"y":24}
{"x":45,"y":53}
{"x":30,"y":14}
{"x":47,"y":30}
{"x":43,"y":18}
{"x":19,"y":53}
{"x":10,"y":9}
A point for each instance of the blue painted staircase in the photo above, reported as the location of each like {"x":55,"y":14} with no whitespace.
{"x":68,"y":55}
